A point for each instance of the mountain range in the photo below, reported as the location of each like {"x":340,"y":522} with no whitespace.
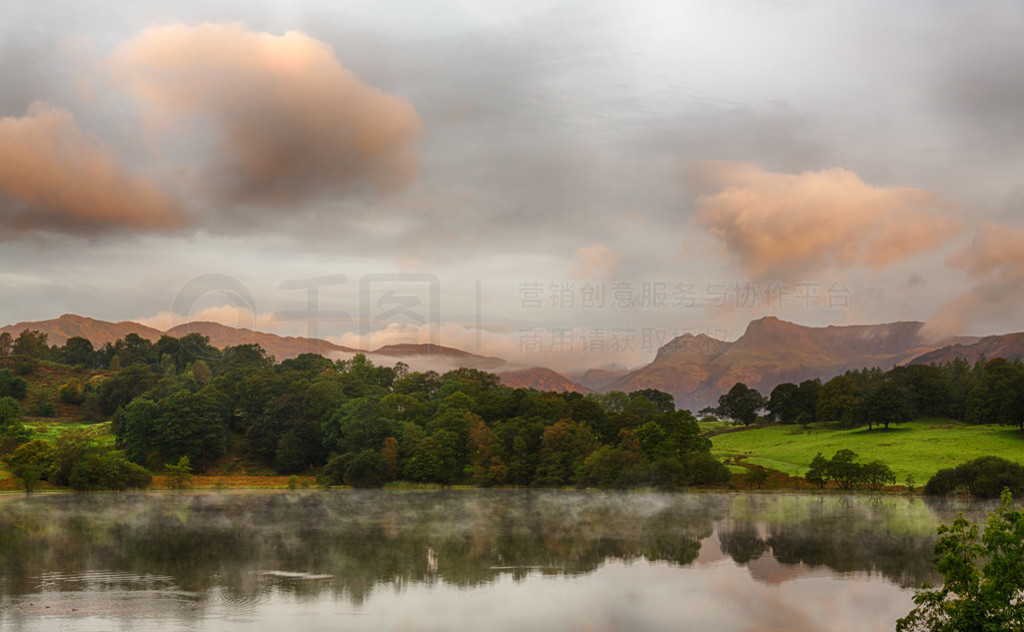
{"x":694,"y":369}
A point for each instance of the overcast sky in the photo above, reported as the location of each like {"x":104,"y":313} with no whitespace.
{"x":568,"y":183}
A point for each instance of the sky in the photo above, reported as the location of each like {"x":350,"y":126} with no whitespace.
{"x":562,"y":183}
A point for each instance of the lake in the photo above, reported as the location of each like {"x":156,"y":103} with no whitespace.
{"x":465,"y":560}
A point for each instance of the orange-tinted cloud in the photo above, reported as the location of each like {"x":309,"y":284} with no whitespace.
{"x":283,"y":118}
{"x":596,"y":261}
{"x":59,"y":178}
{"x":994,"y":261}
{"x":782,"y":225}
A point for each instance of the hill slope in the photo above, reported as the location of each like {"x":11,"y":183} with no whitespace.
{"x":1009,"y":346}
{"x":99,"y":332}
{"x":281,"y":347}
{"x":542,"y":379}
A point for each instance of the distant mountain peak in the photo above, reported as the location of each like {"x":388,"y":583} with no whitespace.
{"x":691,"y":346}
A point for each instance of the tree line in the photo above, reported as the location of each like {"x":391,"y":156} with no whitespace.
{"x":362,"y":424}
{"x":987,"y":392}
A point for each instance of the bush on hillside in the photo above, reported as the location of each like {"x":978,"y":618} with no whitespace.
{"x":984,"y":477}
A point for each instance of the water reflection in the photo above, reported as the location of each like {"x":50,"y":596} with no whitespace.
{"x":187,"y":559}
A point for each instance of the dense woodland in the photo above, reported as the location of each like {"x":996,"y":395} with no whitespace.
{"x":361,"y":424}
{"x":364,"y":425}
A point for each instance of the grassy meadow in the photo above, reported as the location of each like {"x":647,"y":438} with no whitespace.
{"x":917,"y":449}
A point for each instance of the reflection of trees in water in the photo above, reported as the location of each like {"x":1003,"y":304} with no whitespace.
{"x":364,"y":540}
{"x":741,"y":541}
{"x":360,"y":539}
{"x":890,"y":536}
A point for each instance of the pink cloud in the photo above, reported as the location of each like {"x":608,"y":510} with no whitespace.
{"x":596,"y":261}
{"x":281,"y":116}
{"x":994,"y":261}
{"x":62,"y":179}
{"x":784,"y":225}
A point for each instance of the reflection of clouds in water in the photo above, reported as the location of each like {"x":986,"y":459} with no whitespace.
{"x":464,"y":559}
{"x":628,"y":596}
{"x":638,"y":596}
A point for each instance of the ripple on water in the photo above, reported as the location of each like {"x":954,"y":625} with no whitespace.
{"x":102,"y":593}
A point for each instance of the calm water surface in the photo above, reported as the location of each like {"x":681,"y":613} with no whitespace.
{"x":464,"y":560}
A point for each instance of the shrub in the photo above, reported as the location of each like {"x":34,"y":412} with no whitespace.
{"x":707,"y":470}
{"x":46,"y":408}
{"x":334,"y":472}
{"x":367,"y":469}
{"x":180,"y":475}
{"x":30,"y":462}
{"x":72,"y":392}
{"x":984,"y":477}
{"x":107,"y":470}
{"x":11,"y":386}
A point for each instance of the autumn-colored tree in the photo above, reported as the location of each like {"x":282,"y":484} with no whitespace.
{"x":391,"y":451}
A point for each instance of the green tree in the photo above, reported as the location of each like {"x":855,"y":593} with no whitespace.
{"x":877,"y":475}
{"x":819,"y":472}
{"x":246,"y":358}
{"x":77,"y":351}
{"x":929,"y":386}
{"x":290,"y":456}
{"x":201,"y":372}
{"x":31,"y":344}
{"x":1011,"y":411}
{"x":563,"y":452}
{"x":808,"y":393}
{"x":663,"y":402}
{"x":30,"y":462}
{"x":356,"y":426}
{"x":45,"y":407}
{"x":368,"y":469}
{"x":784,"y":403}
{"x":68,"y":449}
{"x":12,"y":431}
{"x":391,"y":452}
{"x":11,"y":386}
{"x":6,"y":344}
{"x":986,"y":401}
{"x":190,"y":424}
{"x":837,"y":397}
{"x":436,"y":459}
{"x":139,"y":424}
{"x":888,"y":403}
{"x":604,"y":466}
{"x":705,"y":469}
{"x":843,"y":469}
{"x":129,"y":383}
{"x":741,"y":403}
{"x":983,"y":580}
{"x":180,"y":475}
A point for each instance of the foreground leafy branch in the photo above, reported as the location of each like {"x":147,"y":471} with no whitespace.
{"x":983,"y":580}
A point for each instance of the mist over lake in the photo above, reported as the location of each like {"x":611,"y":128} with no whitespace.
{"x":464,"y":560}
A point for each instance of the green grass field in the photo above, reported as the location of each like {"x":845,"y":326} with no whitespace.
{"x":49,"y":429}
{"x":918,"y":449}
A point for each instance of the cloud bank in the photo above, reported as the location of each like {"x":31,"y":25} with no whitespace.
{"x":781,"y":225}
{"x":994,"y":261}
{"x":281,"y":118}
{"x":61,"y":179}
